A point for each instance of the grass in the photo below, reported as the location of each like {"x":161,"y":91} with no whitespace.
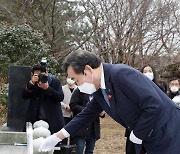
{"x":112,"y":138}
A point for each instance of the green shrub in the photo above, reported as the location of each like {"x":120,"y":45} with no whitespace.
{"x":3,"y":103}
{"x":20,"y":45}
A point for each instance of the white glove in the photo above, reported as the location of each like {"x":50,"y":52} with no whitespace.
{"x":176,"y":99}
{"x":134,"y":139}
{"x":49,"y":143}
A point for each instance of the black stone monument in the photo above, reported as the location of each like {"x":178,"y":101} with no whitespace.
{"x":17,"y":106}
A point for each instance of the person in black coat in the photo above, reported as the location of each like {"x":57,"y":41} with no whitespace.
{"x":44,"y":99}
{"x":85,"y":137}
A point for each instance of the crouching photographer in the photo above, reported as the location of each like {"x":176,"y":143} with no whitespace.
{"x":44,"y":92}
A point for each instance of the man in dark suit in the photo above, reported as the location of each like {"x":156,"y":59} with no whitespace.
{"x":45,"y":95}
{"x":131,"y":99}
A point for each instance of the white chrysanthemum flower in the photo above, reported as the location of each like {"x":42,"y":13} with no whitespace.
{"x":41,"y":132}
{"x":41,"y":123}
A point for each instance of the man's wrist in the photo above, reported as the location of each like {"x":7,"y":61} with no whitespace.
{"x":65,"y":133}
{"x":57,"y":139}
{"x":62,"y":134}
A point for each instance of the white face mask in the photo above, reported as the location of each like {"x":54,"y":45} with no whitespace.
{"x":69,"y":81}
{"x":150,"y":75}
{"x":87,"y":88}
{"x":174,"y":89}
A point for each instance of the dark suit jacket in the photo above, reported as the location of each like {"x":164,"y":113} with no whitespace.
{"x":77,"y":103}
{"x":136,"y":102}
{"x":51,"y":99}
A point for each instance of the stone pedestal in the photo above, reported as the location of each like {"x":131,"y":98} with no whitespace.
{"x":11,"y":149}
{"x":11,"y":129}
{"x":13,"y":143}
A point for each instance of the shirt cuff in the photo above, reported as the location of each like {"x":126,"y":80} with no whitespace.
{"x":134,"y":139}
{"x":65,"y":133}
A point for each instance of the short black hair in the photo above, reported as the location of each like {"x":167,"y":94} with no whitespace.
{"x":79,"y":59}
{"x":173,"y":79}
{"x":36,"y":67}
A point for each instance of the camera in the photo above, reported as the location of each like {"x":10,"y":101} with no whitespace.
{"x":43,"y":77}
{"x":43,"y":64}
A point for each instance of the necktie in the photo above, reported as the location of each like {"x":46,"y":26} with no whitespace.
{"x":105,"y":96}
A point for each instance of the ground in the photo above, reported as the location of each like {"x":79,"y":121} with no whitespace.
{"x":112,"y":138}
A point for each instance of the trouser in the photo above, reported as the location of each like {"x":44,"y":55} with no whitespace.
{"x":85,"y":144}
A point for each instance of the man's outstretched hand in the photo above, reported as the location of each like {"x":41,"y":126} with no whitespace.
{"x":49,"y":143}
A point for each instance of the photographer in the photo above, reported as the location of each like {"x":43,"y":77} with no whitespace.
{"x":45,"y":93}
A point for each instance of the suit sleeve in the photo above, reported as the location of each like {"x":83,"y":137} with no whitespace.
{"x":86,"y":116}
{"x":143,"y":92}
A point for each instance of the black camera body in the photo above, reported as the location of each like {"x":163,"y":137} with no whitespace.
{"x":43,"y":77}
{"x":43,"y":64}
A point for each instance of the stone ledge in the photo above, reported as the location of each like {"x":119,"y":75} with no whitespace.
{"x":11,"y":129}
{"x":13,"y":137}
{"x":8,"y":149}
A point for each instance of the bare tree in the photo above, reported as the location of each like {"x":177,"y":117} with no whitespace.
{"x":133,"y":32}
{"x":120,"y":31}
{"x":55,"y":18}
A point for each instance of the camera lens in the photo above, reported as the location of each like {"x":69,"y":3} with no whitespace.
{"x":43,"y":77}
